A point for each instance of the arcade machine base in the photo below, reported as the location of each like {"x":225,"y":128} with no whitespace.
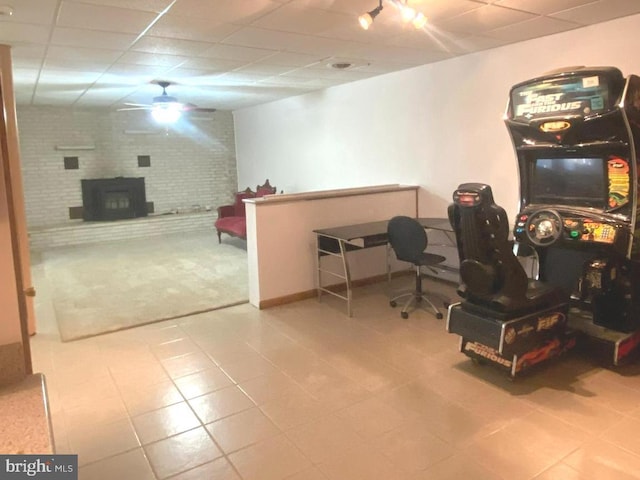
{"x":613,"y":347}
{"x":515,"y":345}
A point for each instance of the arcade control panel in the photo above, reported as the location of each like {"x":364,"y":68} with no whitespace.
{"x":546,"y":226}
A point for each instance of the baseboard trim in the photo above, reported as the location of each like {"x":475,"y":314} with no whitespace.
{"x":338,"y":287}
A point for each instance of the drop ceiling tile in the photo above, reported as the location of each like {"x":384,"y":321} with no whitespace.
{"x":352,"y":75}
{"x":104,"y":95}
{"x":145,"y":5}
{"x":25,"y":76}
{"x":284,"y":41}
{"x":262,"y":69}
{"x":240,"y":77}
{"x":27,"y":56}
{"x":537,"y":27}
{"x":79,"y":37}
{"x":420,"y":39}
{"x":225,"y":11}
{"x":184,"y":76}
{"x":259,"y":39}
{"x":169,"y":46}
{"x":294,"y":19}
{"x":542,"y":7}
{"x":213,"y":64}
{"x":280,"y":81}
{"x":152,"y":59}
{"x":83,"y":54}
{"x":64,"y":98}
{"x":474,"y":43}
{"x":439,"y":10}
{"x":50,"y":77}
{"x":13,"y":33}
{"x":67,"y":64}
{"x":237,"y":52}
{"x":27,"y":62}
{"x":379,"y":68}
{"x":135,"y":72}
{"x":412,"y":56}
{"x":309,"y":72}
{"x":42,"y":12}
{"x":352,"y":7}
{"x":104,"y":18}
{"x":600,"y":11}
{"x":484,"y":18}
{"x":290,"y":59}
{"x":191,"y":28}
{"x":23,"y":95}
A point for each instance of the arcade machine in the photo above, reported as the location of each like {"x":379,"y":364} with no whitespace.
{"x":576,"y":135}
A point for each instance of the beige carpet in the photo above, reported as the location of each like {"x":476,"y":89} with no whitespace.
{"x":100,"y":288}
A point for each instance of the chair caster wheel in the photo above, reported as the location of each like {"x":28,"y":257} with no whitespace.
{"x":439,"y":316}
{"x":393,"y":304}
{"x":404,"y":315}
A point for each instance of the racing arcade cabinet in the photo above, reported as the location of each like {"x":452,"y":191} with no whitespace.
{"x":576,"y":135}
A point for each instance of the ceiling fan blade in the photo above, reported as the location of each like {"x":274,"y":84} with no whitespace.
{"x":190,"y":107}
{"x":204,"y":109}
{"x":133,"y":108}
{"x":138,"y":105}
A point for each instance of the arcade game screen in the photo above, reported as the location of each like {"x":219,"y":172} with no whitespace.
{"x":578,"y":182}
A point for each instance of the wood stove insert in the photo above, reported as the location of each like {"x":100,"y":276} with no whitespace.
{"x":113,"y":198}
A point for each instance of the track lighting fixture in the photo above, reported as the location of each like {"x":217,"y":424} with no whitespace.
{"x":366,"y":19}
{"x":409,"y":15}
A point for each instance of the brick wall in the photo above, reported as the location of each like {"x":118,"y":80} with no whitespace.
{"x":192,"y":164}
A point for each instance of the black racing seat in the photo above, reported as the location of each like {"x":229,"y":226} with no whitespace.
{"x":492,"y":279}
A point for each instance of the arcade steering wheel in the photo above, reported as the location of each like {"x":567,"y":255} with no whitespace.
{"x":543,"y":228}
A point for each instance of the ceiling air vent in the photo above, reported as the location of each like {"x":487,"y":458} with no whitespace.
{"x":336,"y":63}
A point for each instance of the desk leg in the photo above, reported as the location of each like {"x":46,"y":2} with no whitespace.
{"x":318,"y":271}
{"x":347,"y":276}
{"x":388,"y":258}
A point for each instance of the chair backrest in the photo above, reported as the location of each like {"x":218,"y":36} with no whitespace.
{"x":266,"y":189}
{"x":407,"y":238}
{"x":238,"y":205}
{"x":489,"y":270}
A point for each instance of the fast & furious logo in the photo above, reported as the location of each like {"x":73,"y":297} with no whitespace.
{"x":536,"y":103}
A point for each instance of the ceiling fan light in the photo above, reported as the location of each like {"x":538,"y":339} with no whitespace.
{"x":166,"y":113}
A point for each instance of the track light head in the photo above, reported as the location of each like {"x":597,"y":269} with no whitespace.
{"x":419,"y":21}
{"x":366,"y":19}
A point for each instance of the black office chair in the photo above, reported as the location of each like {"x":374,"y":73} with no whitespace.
{"x":492,"y":280}
{"x":409,"y":241}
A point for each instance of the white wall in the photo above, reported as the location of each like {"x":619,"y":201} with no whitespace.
{"x":436,"y":126}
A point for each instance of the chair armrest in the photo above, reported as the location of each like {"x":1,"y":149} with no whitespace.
{"x":226,"y":211}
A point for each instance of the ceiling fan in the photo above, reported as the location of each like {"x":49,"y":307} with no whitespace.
{"x":165,"y":108}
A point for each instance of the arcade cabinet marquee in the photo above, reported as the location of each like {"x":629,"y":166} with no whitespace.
{"x":576,"y":136}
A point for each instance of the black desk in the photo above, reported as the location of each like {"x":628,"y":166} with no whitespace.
{"x":337,"y":241}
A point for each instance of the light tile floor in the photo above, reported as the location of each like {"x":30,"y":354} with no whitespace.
{"x":302,"y":392}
